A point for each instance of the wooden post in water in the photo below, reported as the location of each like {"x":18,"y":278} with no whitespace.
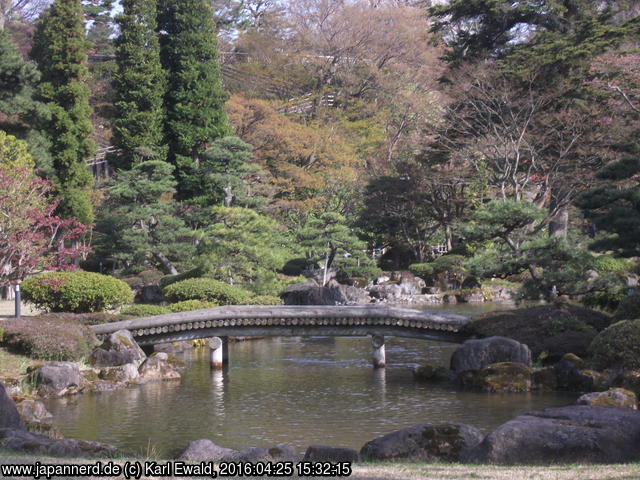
{"x":215,"y":353}
{"x":377,"y":343}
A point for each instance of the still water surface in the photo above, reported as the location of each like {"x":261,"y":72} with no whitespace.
{"x":302,"y":391}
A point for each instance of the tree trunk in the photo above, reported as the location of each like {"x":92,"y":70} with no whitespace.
{"x":166,"y":264}
{"x":559,"y":222}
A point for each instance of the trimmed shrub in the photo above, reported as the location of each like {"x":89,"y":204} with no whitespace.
{"x":607,"y":263}
{"x":76,"y":292}
{"x":265,"y":300}
{"x":96,"y":318}
{"x":193,"y":273}
{"x":628,"y":308}
{"x":188,"y":305}
{"x":421,"y":270}
{"x":449,"y":263}
{"x":206,"y":289}
{"x":618,"y":346}
{"x":49,"y":337}
{"x":146,"y":277}
{"x":142,"y":310}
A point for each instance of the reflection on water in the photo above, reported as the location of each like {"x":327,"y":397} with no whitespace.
{"x":303,"y":391}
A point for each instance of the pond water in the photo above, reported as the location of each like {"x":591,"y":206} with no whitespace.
{"x":302,"y":391}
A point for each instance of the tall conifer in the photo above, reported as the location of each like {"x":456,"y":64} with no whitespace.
{"x":60,"y":50}
{"x":139,"y":86}
{"x":195,"y":96}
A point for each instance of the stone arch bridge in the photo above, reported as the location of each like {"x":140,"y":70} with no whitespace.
{"x":291,"y":320}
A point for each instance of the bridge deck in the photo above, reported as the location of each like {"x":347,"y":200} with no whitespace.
{"x":291,"y":320}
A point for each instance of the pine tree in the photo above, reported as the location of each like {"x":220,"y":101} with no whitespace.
{"x":139,"y":86}
{"x":60,"y":50}
{"x":195,"y":97}
{"x":22,"y":112}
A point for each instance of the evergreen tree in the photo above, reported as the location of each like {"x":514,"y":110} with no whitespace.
{"x":139,"y":86}
{"x":140,"y":226}
{"x":22,"y":113}
{"x":195,"y":96}
{"x":60,"y":50}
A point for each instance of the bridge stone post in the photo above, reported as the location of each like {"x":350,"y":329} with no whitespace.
{"x":377,"y":343}
{"x":216,"y":357}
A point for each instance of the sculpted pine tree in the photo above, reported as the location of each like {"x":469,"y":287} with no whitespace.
{"x":60,"y":50}
{"x":195,"y":96}
{"x":139,"y":86}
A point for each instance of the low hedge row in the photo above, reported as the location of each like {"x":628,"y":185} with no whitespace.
{"x":76,"y":292}
{"x":206,"y":289}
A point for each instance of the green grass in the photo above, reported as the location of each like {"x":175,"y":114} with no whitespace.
{"x":13,"y":365}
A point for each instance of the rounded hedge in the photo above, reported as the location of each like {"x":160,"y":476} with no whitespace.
{"x":49,"y":337}
{"x":187,"y":305}
{"x":607,"y":263}
{"x":76,"y":292}
{"x":144,"y":310}
{"x":265,"y":300}
{"x":628,"y":308}
{"x":421,"y":270}
{"x":618,"y":346}
{"x":206,"y":289}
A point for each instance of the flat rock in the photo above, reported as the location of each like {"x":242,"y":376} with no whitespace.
{"x":36,"y":444}
{"x":505,"y":377}
{"x":205,"y":450}
{"x":428,"y":442}
{"x":574,"y":434}
{"x":478,"y":354}
{"x":322,"y":453}
{"x":9,"y":416}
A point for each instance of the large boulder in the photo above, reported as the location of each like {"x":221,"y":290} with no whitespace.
{"x":9,"y":416}
{"x":478,"y":354}
{"x":614,"y":397}
{"x":505,"y":377}
{"x":41,"y":445}
{"x":322,"y":453}
{"x":445,"y":442}
{"x":574,"y":434}
{"x":118,"y":349}
{"x":571,"y":374}
{"x":333,"y":293}
{"x":55,"y":379}
{"x":205,"y":450}
{"x":33,"y":412}
{"x":120,"y":374}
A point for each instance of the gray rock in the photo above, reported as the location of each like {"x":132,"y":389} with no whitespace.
{"x":155,"y":368}
{"x":278,"y":453}
{"x":56,"y":378}
{"x":120,"y":374}
{"x":205,"y":450}
{"x":35,"y":444}
{"x":119,"y":349}
{"x":575,"y":434}
{"x":430,"y":373}
{"x":333,"y":293}
{"x":445,"y":442}
{"x":33,"y":412}
{"x":321,"y":453}
{"x":477,"y":354}
{"x":9,"y":416}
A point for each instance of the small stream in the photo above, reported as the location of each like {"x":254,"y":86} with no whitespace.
{"x":302,"y":391}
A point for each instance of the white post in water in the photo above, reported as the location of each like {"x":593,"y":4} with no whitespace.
{"x":225,"y":350}
{"x":377,"y":342}
{"x":215,"y":353}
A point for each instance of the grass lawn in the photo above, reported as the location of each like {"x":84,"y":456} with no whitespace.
{"x":413,"y":471}
{"x":12,"y":365}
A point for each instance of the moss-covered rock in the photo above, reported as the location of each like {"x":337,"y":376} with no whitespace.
{"x":629,"y":380}
{"x":548,"y":330}
{"x":426,"y":372}
{"x":614,"y":397}
{"x":545,"y":380}
{"x":502,"y":377}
